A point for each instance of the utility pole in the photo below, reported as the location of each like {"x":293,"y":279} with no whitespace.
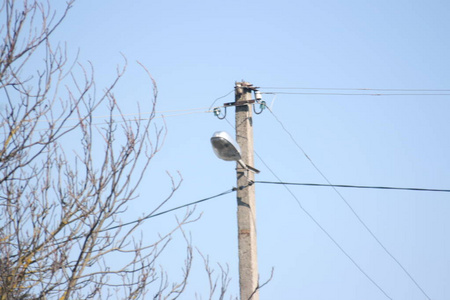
{"x":246,"y":213}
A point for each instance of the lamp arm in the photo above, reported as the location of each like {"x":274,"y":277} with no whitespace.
{"x":248,"y":167}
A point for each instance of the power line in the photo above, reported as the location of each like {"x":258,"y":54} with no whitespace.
{"x":320,"y":226}
{"x":356,"y":89}
{"x":165,"y":113}
{"x":349,"y":206}
{"x":155,"y":115}
{"x":356,"y":94}
{"x":220,"y":98}
{"x":356,"y":186}
{"x":152,"y":215}
{"x":332,"y":239}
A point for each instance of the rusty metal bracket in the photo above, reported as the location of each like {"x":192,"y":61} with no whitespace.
{"x":239,"y":103}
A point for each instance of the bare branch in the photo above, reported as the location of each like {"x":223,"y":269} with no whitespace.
{"x":62,"y":202}
{"x":259,"y":286}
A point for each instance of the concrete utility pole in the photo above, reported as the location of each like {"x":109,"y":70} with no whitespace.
{"x":246,"y":214}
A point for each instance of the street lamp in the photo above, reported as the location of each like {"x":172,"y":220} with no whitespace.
{"x":226,"y":148}
{"x":241,"y":151}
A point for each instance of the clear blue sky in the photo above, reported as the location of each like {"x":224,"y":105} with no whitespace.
{"x":196,"y":50}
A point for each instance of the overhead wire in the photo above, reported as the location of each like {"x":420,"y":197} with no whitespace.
{"x":356,"y":89}
{"x":152,"y":215}
{"x":355,"y":186}
{"x":220,"y":98}
{"x":356,"y":94}
{"x":335,"y":242}
{"x":154,"y":115}
{"x":349,"y":206}
{"x":139,"y":114}
{"x":195,"y":110}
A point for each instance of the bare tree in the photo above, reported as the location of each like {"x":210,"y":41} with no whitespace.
{"x":61,"y":202}
{"x":213,"y":280}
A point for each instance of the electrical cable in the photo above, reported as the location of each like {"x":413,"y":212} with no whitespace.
{"x":357,"y":89}
{"x":329,"y":236}
{"x":154,"y":113}
{"x":152,"y":215}
{"x":352,"y":94}
{"x":320,"y":226}
{"x":356,"y":186}
{"x":160,"y":115}
{"x":350,"y":207}
{"x":221,"y":98}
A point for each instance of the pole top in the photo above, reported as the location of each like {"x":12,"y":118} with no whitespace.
{"x":245,"y":84}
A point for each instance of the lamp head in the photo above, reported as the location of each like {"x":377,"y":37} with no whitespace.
{"x":225,"y":147}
